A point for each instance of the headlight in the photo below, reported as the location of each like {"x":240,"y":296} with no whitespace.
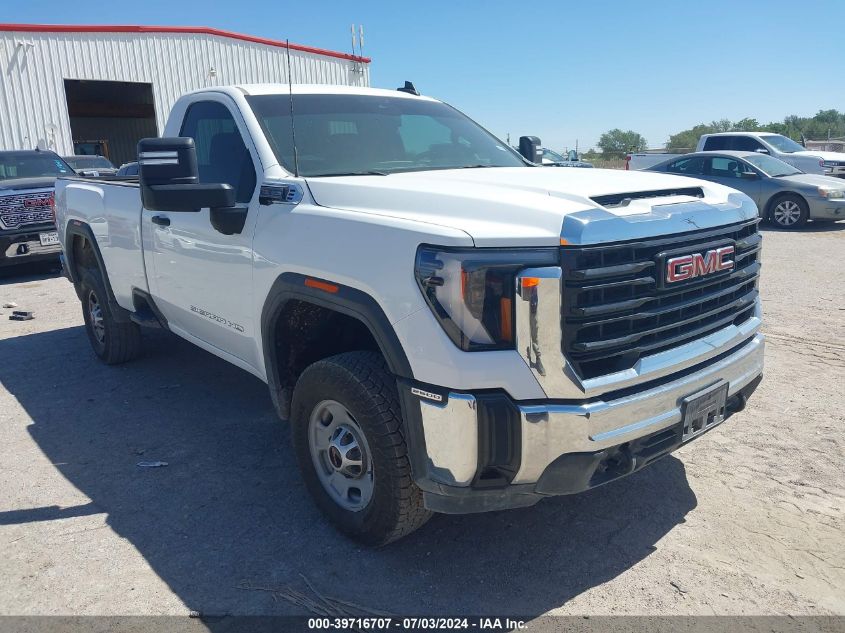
{"x":471,"y":291}
{"x":831,"y":194}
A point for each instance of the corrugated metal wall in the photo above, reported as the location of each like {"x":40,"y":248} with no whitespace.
{"x":33,"y":67}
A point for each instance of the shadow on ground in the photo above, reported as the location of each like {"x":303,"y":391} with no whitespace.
{"x":24,"y":273}
{"x":230,"y":509}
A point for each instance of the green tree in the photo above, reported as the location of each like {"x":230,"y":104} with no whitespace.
{"x":688,"y":139}
{"x":745,"y":125}
{"x":615,"y":143}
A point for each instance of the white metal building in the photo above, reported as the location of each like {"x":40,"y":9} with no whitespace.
{"x":99,"y":89}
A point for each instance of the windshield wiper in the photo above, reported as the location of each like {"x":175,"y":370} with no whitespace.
{"x":479,"y":166}
{"x":370,"y":172}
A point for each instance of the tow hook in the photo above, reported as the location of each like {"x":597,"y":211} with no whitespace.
{"x":628,"y":464}
{"x":621,"y":462}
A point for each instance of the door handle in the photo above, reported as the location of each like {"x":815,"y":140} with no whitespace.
{"x":161,"y":220}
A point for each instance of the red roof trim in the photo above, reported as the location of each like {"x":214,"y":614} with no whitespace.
{"x":195,"y":30}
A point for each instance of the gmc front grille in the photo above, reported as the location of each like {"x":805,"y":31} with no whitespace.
{"x":25,"y":208}
{"x":615,"y":310}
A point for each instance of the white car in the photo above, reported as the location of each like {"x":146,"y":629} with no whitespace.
{"x":779,"y":146}
{"x":446,"y":327}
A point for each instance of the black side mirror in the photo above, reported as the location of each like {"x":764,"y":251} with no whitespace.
{"x":169,"y":178}
{"x":529,"y":147}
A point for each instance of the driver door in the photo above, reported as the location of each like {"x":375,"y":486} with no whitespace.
{"x":201,"y":276}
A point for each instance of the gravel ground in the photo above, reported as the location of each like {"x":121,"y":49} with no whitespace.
{"x":747,"y":520}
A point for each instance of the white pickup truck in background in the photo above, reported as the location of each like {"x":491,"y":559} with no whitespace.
{"x":778,"y":146}
{"x":643,"y":160}
{"x":446,"y":327}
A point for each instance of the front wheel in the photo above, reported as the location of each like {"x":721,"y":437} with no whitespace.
{"x":789,"y":212}
{"x":346,"y":429}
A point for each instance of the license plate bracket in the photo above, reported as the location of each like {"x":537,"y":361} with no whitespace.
{"x":48,"y":239}
{"x":704,"y":410}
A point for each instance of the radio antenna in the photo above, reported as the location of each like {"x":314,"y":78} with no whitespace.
{"x":292,"y":125}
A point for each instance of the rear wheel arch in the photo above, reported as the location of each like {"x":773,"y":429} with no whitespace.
{"x":294,"y":314}
{"x":82,"y":253}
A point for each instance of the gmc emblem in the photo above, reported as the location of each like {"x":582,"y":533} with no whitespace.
{"x":29,"y":203}
{"x":699,"y":264}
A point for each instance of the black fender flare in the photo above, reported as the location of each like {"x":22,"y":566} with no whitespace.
{"x":81,"y":229}
{"x":345,"y":300}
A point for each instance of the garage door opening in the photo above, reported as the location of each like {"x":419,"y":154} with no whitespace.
{"x":110,"y":117}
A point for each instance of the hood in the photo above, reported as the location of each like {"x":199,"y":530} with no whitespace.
{"x":811,"y":153}
{"x":837,"y":156}
{"x":502,"y":206}
{"x":815,"y":180}
{"x":18,"y":184}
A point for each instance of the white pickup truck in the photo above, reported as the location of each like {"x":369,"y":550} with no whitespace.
{"x":446,"y":327}
{"x":779,"y":146}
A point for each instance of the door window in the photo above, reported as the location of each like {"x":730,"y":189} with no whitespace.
{"x":726,"y":167}
{"x":746,"y":144}
{"x":717,"y":143}
{"x":689,"y":166}
{"x":222,"y":155}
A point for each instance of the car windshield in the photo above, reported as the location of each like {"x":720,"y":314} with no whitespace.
{"x":783,"y":144}
{"x":362,"y":134}
{"x":554,"y":156}
{"x":771,"y":166}
{"x":31,"y":165}
{"x":88,"y":162}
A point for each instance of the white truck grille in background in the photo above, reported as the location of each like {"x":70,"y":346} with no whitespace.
{"x":25,"y":208}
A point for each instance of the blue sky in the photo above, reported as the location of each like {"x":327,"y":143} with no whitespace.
{"x":560,"y":70}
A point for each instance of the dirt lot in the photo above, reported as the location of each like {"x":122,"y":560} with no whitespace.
{"x":750,"y":519}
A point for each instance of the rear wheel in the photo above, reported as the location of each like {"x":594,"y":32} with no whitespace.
{"x":347,"y":433}
{"x":113,"y":341}
{"x":789,"y":212}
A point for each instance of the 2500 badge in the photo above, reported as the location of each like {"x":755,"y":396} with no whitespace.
{"x":219,"y":319}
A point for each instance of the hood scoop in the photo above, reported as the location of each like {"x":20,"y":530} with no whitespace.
{"x":617,"y":200}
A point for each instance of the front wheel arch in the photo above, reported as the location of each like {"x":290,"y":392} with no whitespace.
{"x":778,"y":198}
{"x":351,"y":303}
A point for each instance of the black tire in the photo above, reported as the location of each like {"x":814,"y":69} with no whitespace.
{"x":361,"y":382}
{"x":113,"y":342}
{"x":783,"y":209}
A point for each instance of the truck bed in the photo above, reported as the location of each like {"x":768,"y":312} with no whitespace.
{"x":111,"y":207}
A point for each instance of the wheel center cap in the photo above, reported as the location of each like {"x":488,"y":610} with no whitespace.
{"x":335,"y":457}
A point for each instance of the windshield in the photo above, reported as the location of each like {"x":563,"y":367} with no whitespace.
{"x":771,"y":166}
{"x":31,"y":165}
{"x":88,"y":162}
{"x":783,"y":144}
{"x":553,"y":156}
{"x":361,"y":134}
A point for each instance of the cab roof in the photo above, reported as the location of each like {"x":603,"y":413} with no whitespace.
{"x":315,"y":89}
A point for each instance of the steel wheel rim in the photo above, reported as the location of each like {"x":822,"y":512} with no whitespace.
{"x":787,"y":213}
{"x":341,"y":455}
{"x":95,"y":312}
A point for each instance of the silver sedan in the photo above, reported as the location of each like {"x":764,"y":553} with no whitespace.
{"x":785,"y":195}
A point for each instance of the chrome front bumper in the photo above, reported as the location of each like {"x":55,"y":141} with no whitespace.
{"x":549,"y":430}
